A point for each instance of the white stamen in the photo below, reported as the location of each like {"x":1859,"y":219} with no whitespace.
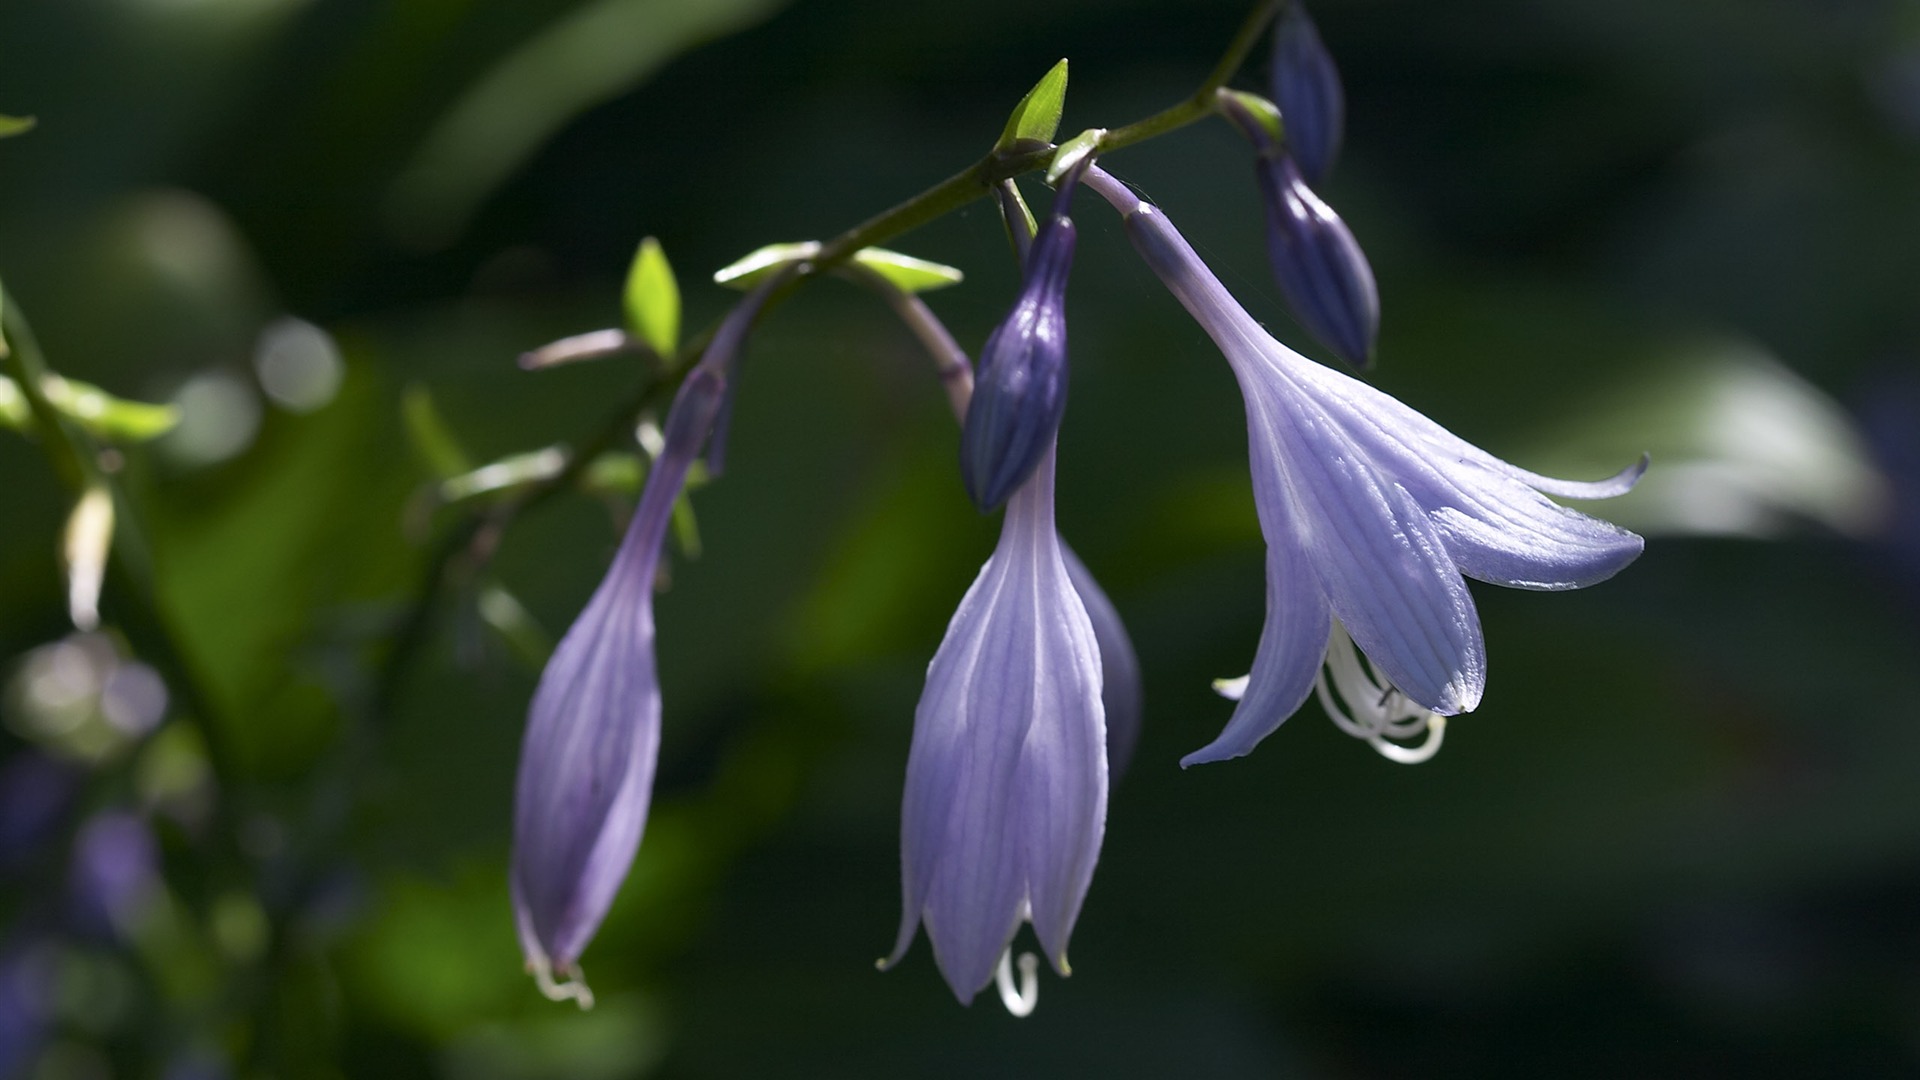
{"x":1414,"y":755}
{"x":574,"y":989}
{"x":1376,"y":709}
{"x":1232,"y":689}
{"x":1019,"y":1002}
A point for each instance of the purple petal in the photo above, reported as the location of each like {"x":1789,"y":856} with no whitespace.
{"x":1006,"y":787}
{"x":1120,"y":691}
{"x":1293,"y":641}
{"x":586,"y":767}
{"x":593,"y":732}
{"x":1496,"y":526}
{"x":1381,"y":560}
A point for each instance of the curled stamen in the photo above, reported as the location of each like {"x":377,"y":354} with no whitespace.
{"x":1413,"y":755}
{"x":574,"y":989}
{"x":1020,"y":1001}
{"x":1379,"y":711}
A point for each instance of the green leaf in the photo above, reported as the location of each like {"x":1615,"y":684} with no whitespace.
{"x":13,"y":405}
{"x":906,"y":272}
{"x":747,"y":271}
{"x":505,"y":475}
{"x":430,"y":435}
{"x":107,"y":416}
{"x":615,"y":472}
{"x":652,"y":300}
{"x":1073,"y":151}
{"x":1037,"y":116}
{"x":523,"y":634}
{"x":1260,"y":110}
{"x":15,"y":125}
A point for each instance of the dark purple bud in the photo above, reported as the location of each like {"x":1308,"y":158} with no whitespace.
{"x":1320,"y":269}
{"x":1020,"y":387}
{"x":1306,"y":86}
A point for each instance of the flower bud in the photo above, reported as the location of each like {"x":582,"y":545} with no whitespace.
{"x":1020,"y":389}
{"x":1306,"y":86}
{"x":1318,"y":266}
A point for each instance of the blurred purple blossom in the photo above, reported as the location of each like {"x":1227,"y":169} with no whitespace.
{"x":115,"y":871}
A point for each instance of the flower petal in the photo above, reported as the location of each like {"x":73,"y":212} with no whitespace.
{"x":1294,"y":639}
{"x":586,"y":769}
{"x":1006,"y":779}
{"x":1497,"y":527}
{"x":1382,"y":562}
{"x":1120,"y":691}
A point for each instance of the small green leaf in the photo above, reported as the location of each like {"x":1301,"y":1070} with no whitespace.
{"x":107,"y":416}
{"x":13,"y":405}
{"x":615,"y":472}
{"x":1012,"y":203}
{"x":430,"y":435}
{"x":1037,"y":116}
{"x":1258,"y":109}
{"x":906,"y":272}
{"x":15,"y":125}
{"x":652,"y":300}
{"x":686,"y":527}
{"x":1073,"y":151}
{"x":507,"y":474}
{"x":523,"y":634}
{"x":747,"y":271}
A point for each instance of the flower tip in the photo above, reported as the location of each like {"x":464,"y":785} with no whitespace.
{"x":1209,"y":754}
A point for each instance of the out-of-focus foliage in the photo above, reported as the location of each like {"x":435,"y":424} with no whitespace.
{"x":1681,"y":836}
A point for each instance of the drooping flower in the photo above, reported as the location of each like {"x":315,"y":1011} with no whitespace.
{"x":1372,"y":514}
{"x":1020,"y":389}
{"x":1006,"y":793}
{"x":1306,"y":86}
{"x":593,"y":731}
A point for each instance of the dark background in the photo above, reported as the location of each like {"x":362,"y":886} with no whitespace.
{"x":1681,"y":837}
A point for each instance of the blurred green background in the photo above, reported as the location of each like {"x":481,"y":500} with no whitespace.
{"x":1680,"y":838}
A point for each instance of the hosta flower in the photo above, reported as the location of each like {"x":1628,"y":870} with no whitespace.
{"x":593,"y":732}
{"x":1372,"y":514}
{"x":1020,"y":389}
{"x":1006,"y":794}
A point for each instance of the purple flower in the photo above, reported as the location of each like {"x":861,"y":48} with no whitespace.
{"x":1372,"y":515}
{"x":1317,"y":263}
{"x":1306,"y":86}
{"x":587,"y":762}
{"x":1020,"y":389}
{"x":1006,"y":794}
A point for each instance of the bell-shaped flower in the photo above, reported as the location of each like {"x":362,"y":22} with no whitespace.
{"x":1372,"y":514}
{"x":1006,"y":793}
{"x":1306,"y":86}
{"x":1020,"y":388}
{"x":1317,"y":263}
{"x":593,"y":732}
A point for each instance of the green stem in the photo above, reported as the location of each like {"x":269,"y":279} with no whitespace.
{"x":77,"y":461}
